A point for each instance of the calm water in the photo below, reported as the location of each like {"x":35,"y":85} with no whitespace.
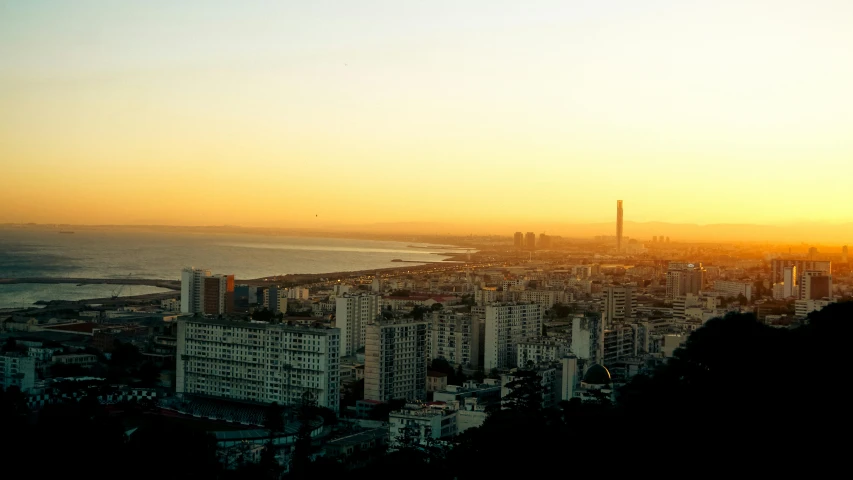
{"x":101,"y":254}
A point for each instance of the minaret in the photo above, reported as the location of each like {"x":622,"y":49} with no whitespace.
{"x":618,"y":225}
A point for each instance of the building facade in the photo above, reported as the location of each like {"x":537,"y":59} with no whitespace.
{"x":258,"y":362}
{"x":618,"y":303}
{"x":507,"y":325}
{"x":17,"y":371}
{"x":192,"y":289}
{"x":454,"y":336}
{"x":352,"y":314}
{"x":733,"y":288}
{"x":395,"y":365}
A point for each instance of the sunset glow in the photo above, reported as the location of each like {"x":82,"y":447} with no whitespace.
{"x":481,"y":113}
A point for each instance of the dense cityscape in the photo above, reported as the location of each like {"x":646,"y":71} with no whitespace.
{"x":444,"y":240}
{"x":285,"y":375}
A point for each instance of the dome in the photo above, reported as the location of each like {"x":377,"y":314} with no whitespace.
{"x":597,"y":375}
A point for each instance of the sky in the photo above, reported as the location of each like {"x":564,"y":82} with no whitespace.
{"x":322,"y":113}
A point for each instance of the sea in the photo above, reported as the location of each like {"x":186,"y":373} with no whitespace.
{"x":28,"y":253}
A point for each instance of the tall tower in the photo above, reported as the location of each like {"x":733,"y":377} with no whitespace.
{"x":618,"y":225}
{"x":844,"y":254}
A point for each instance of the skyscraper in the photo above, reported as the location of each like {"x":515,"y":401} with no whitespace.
{"x":353,"y":313}
{"x":530,"y":241}
{"x":618,"y":225}
{"x":518,"y":240}
{"x":395,"y":364}
{"x":844,"y":254}
{"x":192,"y":289}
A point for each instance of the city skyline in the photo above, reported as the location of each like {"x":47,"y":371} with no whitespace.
{"x":196,"y":113}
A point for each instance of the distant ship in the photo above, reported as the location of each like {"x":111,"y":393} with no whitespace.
{"x":397,"y":260}
{"x":65,"y":231}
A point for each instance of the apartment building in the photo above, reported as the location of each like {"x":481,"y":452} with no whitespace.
{"x":352,"y":314}
{"x":815,"y":285}
{"x":204,"y":293}
{"x":682,"y":279}
{"x":17,"y":371}
{"x":546,"y":298}
{"x":619,"y":342}
{"x":541,"y":349}
{"x":454,"y":337}
{"x":421,"y":424}
{"x":733,"y":288}
{"x":258,"y":361}
{"x":778,"y":265}
{"x":619,"y":303}
{"x":192,"y":289}
{"x":395,"y":365}
{"x":506,"y":325}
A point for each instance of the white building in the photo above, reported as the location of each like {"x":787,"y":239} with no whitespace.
{"x":815,"y":285}
{"x":587,"y":337}
{"x":258,"y":361}
{"x":299,"y":293}
{"x":486,"y":295}
{"x":352,"y":314}
{"x":733,"y":288}
{"x":802,"y":308}
{"x":683,"y":303}
{"x":420,"y":424}
{"x":789,"y":282}
{"x":454,"y":337}
{"x":546,"y":298}
{"x":395,"y":365}
{"x":192,"y":289}
{"x":17,"y":371}
{"x":170,"y":305}
{"x":541,"y":349}
{"x":506,"y":325}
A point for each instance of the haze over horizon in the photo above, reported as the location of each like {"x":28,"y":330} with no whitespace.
{"x":814,"y":233}
{"x":483,"y":115}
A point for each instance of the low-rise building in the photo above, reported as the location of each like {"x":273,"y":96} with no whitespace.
{"x":536,"y":350}
{"x":420,"y":424}
{"x":75,"y":359}
{"x":436,"y":381}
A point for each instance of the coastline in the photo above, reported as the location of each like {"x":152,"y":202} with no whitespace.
{"x":452,"y":256}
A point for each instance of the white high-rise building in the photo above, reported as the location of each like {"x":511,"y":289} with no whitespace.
{"x":454,"y":337}
{"x":506,"y":325}
{"x":395,"y":365}
{"x":352,"y":314}
{"x":789,"y":282}
{"x":618,"y":303}
{"x":258,"y":362}
{"x":192,"y":289}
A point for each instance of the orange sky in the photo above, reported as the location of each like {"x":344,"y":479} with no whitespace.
{"x":329,"y":114}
